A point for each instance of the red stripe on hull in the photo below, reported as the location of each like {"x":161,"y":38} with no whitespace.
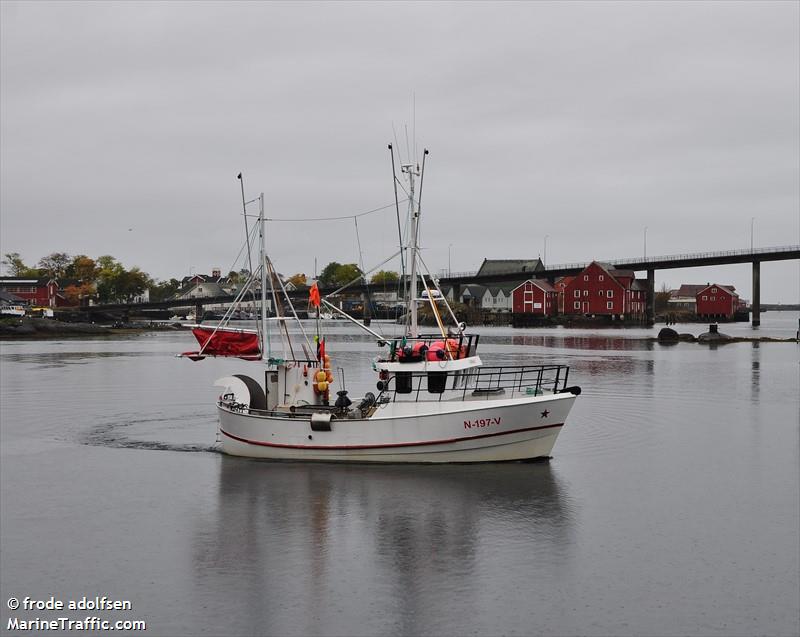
{"x":393,"y":444}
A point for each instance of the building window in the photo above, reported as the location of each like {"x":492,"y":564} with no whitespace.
{"x":599,"y":292}
{"x":600,"y":278}
{"x":705,"y":298}
{"x":713,"y":298}
{"x":577,"y":293}
{"x":610,"y":294}
{"x":586,"y":293}
{"x":714,"y":290}
{"x":610,"y":305}
{"x":577,"y":305}
{"x":585,"y":277}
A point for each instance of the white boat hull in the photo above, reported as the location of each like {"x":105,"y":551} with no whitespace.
{"x":480,"y":430}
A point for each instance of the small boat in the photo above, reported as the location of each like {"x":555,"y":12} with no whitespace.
{"x":436,"y":402}
{"x":13,"y":310}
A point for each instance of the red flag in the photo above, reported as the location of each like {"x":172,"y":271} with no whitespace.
{"x":321,"y":351}
{"x":313,"y":295}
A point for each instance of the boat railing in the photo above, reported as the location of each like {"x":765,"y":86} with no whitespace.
{"x":477,"y":383}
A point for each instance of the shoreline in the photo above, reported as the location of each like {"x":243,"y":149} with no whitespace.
{"x":43,"y":329}
{"x":40,"y":328}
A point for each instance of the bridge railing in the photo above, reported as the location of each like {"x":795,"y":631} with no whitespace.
{"x":643,"y":259}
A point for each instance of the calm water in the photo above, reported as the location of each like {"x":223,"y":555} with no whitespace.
{"x":670,"y":507}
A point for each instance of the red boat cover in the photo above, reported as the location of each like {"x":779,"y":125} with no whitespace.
{"x":223,"y":343}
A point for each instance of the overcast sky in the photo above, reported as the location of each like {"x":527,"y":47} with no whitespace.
{"x":124,"y":126}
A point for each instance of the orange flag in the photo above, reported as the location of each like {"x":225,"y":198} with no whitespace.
{"x":313,"y":295}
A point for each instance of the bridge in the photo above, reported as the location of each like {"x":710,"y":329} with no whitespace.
{"x":456,"y":280}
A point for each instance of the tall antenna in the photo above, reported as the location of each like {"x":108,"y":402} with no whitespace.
{"x":246,"y":231}
{"x":414,"y":122}
{"x":249,"y":257}
{"x":399,"y":231}
{"x":410,"y":170}
{"x":421,"y":182}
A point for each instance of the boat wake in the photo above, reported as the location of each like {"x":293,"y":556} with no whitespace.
{"x":128,"y":433}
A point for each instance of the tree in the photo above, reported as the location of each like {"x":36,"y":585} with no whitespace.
{"x":162,"y":290}
{"x":74,"y":293}
{"x":115,"y":283}
{"x":336,"y":274}
{"x":298,"y":280}
{"x":384,"y":277}
{"x":327,"y":278}
{"x":82,"y":268}
{"x":131,"y":283}
{"x":13,"y":263}
{"x":55,"y":264}
{"x":661,"y":301}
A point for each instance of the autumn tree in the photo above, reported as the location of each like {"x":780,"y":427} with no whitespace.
{"x":298,"y":280}
{"x":76,"y":292}
{"x":82,"y":268}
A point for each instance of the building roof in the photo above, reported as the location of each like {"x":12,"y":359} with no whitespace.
{"x":504,"y":266}
{"x":542,"y":284}
{"x":7,"y":297}
{"x":688,"y":290}
{"x":621,"y":273}
{"x":725,"y":288}
{"x":21,"y":280}
{"x":473,"y":290}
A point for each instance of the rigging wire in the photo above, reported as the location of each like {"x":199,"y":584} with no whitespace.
{"x":338,"y":218}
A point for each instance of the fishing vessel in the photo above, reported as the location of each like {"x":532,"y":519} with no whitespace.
{"x":436,"y":402}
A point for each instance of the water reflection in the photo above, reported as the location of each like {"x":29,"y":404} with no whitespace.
{"x":588,"y":342}
{"x":328,"y":535}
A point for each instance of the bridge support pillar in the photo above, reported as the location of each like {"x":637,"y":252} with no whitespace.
{"x":756,"y":303}
{"x":650,"y":296}
{"x":456,"y":292}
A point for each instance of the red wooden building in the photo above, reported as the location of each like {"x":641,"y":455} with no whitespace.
{"x":42,"y":292}
{"x":717,"y":301}
{"x":602,"y":290}
{"x":534,"y":297}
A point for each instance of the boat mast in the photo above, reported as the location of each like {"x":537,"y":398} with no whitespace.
{"x":265,"y":355}
{"x":414,"y":211}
